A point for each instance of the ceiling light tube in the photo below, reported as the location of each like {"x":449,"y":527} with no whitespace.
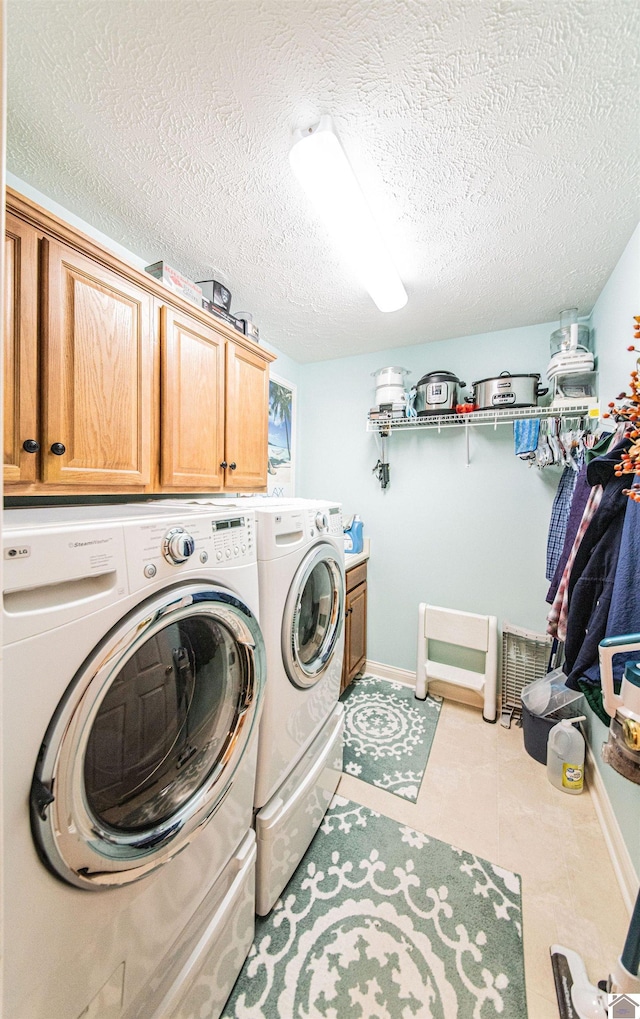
{"x":320,"y":164}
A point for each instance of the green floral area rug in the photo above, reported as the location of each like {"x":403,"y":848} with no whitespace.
{"x":410,"y":928}
{"x":388,"y":734}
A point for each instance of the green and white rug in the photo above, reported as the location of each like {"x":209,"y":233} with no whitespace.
{"x":410,"y":928}
{"x":388,"y":734}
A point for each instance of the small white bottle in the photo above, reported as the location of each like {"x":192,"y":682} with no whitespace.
{"x":565,"y":756}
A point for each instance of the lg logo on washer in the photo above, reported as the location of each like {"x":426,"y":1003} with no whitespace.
{"x":17,"y":552}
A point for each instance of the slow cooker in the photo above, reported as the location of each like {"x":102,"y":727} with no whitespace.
{"x":507,"y":390}
{"x":437,"y":393}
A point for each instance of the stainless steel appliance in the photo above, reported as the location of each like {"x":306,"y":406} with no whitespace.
{"x":437,"y":393}
{"x":507,"y":390}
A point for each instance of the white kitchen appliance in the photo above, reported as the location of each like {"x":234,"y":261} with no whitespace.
{"x":134,"y":669}
{"x":390,"y":386}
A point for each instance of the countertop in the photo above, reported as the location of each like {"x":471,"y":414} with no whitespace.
{"x":351,"y":559}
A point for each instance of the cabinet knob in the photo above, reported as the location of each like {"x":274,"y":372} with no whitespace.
{"x":30,"y":446}
{"x":58,"y":448}
{"x":232,"y":466}
{"x":224,"y":465}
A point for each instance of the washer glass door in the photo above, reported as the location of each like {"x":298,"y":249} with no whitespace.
{"x":313,"y":616}
{"x":143,"y":748}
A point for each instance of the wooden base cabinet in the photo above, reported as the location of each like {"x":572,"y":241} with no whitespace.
{"x":113,"y":387}
{"x":355,"y":639}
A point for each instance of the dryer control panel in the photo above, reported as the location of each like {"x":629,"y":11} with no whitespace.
{"x":325,"y":518}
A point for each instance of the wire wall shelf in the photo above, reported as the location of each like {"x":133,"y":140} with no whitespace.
{"x":495,"y":417}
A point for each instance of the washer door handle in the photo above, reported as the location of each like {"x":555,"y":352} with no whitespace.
{"x":250,"y":687}
{"x":41,"y":797}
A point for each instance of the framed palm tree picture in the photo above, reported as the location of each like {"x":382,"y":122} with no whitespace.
{"x":282,"y":410}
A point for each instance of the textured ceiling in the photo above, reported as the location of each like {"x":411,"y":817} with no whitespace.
{"x":496,"y":139}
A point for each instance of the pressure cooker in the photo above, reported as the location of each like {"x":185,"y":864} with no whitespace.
{"x":437,"y":393}
{"x":508,"y":390}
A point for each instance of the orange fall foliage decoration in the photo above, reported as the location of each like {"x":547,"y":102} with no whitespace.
{"x":629,"y":411}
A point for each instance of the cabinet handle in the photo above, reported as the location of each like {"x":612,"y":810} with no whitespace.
{"x":58,"y":448}
{"x":30,"y":446}
{"x":224,"y":465}
{"x":232,"y":466}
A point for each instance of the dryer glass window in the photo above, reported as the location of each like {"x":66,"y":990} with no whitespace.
{"x":164,"y":724}
{"x":314,"y":617}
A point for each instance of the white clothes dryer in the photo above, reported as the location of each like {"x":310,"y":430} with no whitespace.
{"x":134,"y":669}
{"x":301,"y":575}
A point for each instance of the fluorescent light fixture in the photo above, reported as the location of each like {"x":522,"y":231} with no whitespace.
{"x":320,"y":164}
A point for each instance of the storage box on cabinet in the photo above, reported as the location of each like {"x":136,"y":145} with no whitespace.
{"x":109,"y":386}
{"x":355,"y":638}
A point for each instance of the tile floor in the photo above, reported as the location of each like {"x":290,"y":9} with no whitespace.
{"x":482,"y":792}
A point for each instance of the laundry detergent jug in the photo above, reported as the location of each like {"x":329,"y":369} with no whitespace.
{"x":565,"y":756}
{"x":353,"y":536}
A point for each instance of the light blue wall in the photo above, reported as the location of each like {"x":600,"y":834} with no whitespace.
{"x":612,"y":321}
{"x":472,"y":538}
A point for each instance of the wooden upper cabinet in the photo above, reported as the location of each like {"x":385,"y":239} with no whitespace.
{"x":246,"y":422}
{"x":192,"y":403}
{"x":97,"y":373}
{"x":119,"y":385}
{"x":20,"y":329}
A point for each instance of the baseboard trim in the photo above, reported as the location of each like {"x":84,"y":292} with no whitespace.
{"x":622,"y":863}
{"x":449,"y":691}
{"x":390,"y":672}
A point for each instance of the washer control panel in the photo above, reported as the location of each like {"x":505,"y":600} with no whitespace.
{"x":177,"y":546}
{"x":162,"y":549}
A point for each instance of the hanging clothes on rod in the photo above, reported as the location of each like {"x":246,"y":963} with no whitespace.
{"x":560,"y":515}
{"x":590,"y":576}
{"x":592,"y":447}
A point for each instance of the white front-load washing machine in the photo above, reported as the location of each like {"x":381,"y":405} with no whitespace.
{"x":134,"y":669}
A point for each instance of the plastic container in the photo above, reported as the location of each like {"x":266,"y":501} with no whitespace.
{"x":549,"y":694}
{"x":572,"y":335}
{"x":565,"y":756}
{"x":536,"y":734}
{"x":353,"y":541}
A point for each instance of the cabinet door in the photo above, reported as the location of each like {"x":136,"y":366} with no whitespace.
{"x":192,"y":417}
{"x":355,"y":632}
{"x":20,"y":350}
{"x":246,"y":419}
{"x":357,"y":607}
{"x":97,"y":361}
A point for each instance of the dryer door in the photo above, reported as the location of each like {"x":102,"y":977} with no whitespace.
{"x":313,"y":616}
{"x":145,"y":743}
